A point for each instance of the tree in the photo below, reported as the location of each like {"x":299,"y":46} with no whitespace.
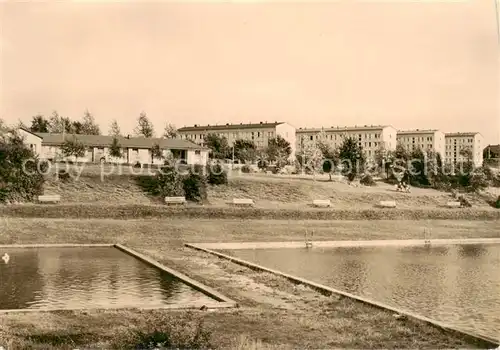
{"x":77,"y":128}
{"x":115,"y":148}
{"x":39,"y":124}
{"x":21,"y":172}
{"x":144,"y":126}
{"x":244,"y":150}
{"x":278,"y":151}
{"x":310,"y":158}
{"x":88,"y":125}
{"x":351,"y":157}
{"x":170,"y":131}
{"x":59,"y":124}
{"x":73,"y":147}
{"x":114,"y":129}
{"x":218,"y":146}
{"x":156,"y":152}
{"x":384,"y":159}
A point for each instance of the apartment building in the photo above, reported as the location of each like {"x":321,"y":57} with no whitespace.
{"x":259,"y":133}
{"x":458,"y":141}
{"x":370,"y":137}
{"x":134,"y":149}
{"x":426,"y":140}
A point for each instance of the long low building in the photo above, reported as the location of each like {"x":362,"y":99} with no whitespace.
{"x":134,"y":149}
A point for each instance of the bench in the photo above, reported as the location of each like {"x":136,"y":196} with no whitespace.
{"x":49,"y":198}
{"x":387,"y":204}
{"x":175,"y":200}
{"x":453,"y":204}
{"x":243,"y":202}
{"x":322,"y":203}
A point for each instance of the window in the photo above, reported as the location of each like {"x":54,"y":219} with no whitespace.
{"x":197,"y":152}
{"x":311,"y":137}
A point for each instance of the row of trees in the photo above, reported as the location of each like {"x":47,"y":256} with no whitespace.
{"x":88,"y":126}
{"x":277,"y":151}
{"x":416,"y":167}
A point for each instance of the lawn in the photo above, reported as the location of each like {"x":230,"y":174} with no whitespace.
{"x":273,"y":312}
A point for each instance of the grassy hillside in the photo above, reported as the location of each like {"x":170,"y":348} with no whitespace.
{"x":269,"y":192}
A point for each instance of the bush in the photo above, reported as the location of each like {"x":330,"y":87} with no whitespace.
{"x":64,"y":175}
{"x":367,"y":180}
{"x":166,"y":183}
{"x":217,"y":175}
{"x":246,"y":169}
{"x":137,"y":165}
{"x":21,"y":172}
{"x":195,"y":185}
{"x":464,"y":202}
{"x":497,"y":203}
{"x":167,"y":332}
{"x":477,"y":181}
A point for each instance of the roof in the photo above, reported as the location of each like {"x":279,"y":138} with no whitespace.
{"x":418,"y":131}
{"x":344,"y":128}
{"x":493,"y":148}
{"x":459,"y":134}
{"x":29,"y":132}
{"x":49,"y":139}
{"x":229,"y":126}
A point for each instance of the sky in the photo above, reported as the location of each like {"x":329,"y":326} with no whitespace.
{"x":426,"y":64}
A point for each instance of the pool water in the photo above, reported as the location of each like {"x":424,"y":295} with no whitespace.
{"x":93,"y":277}
{"x":455,"y":284}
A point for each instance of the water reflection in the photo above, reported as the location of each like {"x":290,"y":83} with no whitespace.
{"x":456,"y":284}
{"x":86,"y":277}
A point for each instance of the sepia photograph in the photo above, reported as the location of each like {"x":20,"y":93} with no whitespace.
{"x":249,"y":174}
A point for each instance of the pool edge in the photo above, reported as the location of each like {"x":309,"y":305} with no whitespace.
{"x":220,"y":298}
{"x":486,"y":340}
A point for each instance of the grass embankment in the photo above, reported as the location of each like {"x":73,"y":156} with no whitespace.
{"x":267,"y":191}
{"x":276,"y":198}
{"x":136,"y":211}
{"x":273,"y":312}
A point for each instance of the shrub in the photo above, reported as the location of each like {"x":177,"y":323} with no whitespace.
{"x":367,"y":180}
{"x":464,"y":202}
{"x":169,"y":183}
{"x":21,"y":172}
{"x":164,"y":332}
{"x":246,"y":169}
{"x":195,"y":185}
{"x":351,"y":176}
{"x":166,"y":183}
{"x":217,"y":175}
{"x":137,"y":165}
{"x":477,"y":181}
{"x":497,"y":203}
{"x":64,"y":175}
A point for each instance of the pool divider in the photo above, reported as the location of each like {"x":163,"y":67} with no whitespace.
{"x":220,"y":301}
{"x":479,"y":339}
{"x":223,"y":300}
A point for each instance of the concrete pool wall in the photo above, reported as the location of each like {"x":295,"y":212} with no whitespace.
{"x":208,"y":248}
{"x":220,"y":301}
{"x":334,"y":244}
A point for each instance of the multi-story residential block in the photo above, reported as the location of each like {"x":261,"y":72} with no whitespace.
{"x":259,"y":133}
{"x":134,"y":149}
{"x":370,"y":137}
{"x":426,"y":140}
{"x":459,"y":141}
